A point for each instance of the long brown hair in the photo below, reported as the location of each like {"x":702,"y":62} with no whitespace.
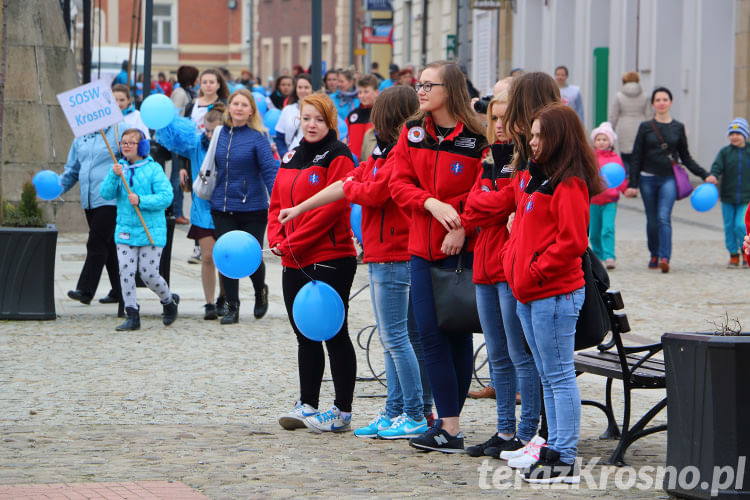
{"x":457,"y":100}
{"x":528,"y":93}
{"x":565,"y":151}
{"x":223,"y":90}
{"x":391,"y":109}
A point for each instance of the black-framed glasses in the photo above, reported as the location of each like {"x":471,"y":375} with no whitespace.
{"x":426,"y":86}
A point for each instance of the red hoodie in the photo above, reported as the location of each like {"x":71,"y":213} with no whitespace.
{"x":549,"y":235}
{"x":481,"y":211}
{"x":425,"y":168}
{"x":612,"y":194}
{"x":358,"y":122}
{"x":385,"y":226}
{"x":320,"y":234}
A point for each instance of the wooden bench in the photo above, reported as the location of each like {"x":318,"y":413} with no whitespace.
{"x":635,"y":366}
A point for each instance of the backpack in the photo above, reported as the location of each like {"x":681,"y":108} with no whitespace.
{"x":593,"y":319}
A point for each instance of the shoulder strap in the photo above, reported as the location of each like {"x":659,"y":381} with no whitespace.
{"x":664,"y":146}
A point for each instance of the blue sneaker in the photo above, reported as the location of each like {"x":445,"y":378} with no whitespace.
{"x":379,"y":423}
{"x":329,"y":421}
{"x":404,"y":427}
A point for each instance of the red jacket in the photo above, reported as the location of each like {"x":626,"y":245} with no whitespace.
{"x":612,"y":194}
{"x":492,"y":222}
{"x":385,"y":226}
{"x":425,"y":168}
{"x":359,"y":123}
{"x":320,"y":234}
{"x":549,"y":235}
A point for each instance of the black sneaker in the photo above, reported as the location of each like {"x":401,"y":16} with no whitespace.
{"x":480,"y":449}
{"x":436,"y":439}
{"x":549,"y":469}
{"x":512,"y":444}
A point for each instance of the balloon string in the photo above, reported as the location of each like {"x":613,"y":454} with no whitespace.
{"x":288,"y":238}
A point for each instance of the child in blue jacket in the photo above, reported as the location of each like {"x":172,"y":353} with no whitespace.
{"x":151,"y":192}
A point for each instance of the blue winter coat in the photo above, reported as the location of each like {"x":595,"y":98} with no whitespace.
{"x":182,"y":137}
{"x":146,"y":179}
{"x":88,"y":163}
{"x":246,"y":175}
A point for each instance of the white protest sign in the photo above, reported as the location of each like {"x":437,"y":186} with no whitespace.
{"x":90,"y":108}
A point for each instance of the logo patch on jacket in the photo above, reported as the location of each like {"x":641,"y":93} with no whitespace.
{"x":313,"y":179}
{"x":485,"y":188}
{"x":320,"y":157}
{"x":374,"y":171}
{"x":465,"y":142}
{"x":530,"y":206}
{"x":288,"y":156}
{"x":522,"y":185}
{"x":376,"y":151}
{"x":353,"y":118}
{"x":457,"y":168}
{"x":507,"y":169}
{"x":415,"y":134}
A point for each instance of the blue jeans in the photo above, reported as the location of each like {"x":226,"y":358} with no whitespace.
{"x":602,"y":230}
{"x":389,"y":290}
{"x":734,"y":225}
{"x":659,"y":193}
{"x":448,"y":358}
{"x":509,"y":360}
{"x":550,"y":328}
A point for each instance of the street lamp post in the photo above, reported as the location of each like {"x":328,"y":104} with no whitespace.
{"x":317,"y":35}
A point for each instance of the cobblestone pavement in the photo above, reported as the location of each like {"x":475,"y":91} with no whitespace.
{"x":197,"y":402}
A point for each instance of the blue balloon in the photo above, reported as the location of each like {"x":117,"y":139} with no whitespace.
{"x":48,"y":185}
{"x":613,"y":173}
{"x":237,"y":254}
{"x":704,"y":197}
{"x":318,"y":311}
{"x":157,"y":111}
{"x":260,"y":102}
{"x":343,"y":130}
{"x":270,"y":119}
{"x":355,"y":219}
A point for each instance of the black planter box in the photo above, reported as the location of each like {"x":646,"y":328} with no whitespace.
{"x":27,"y":272}
{"x":708,"y":415}
{"x":166,"y":255}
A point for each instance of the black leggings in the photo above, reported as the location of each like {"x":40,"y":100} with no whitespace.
{"x":339,"y":273}
{"x":100,"y":251}
{"x":251,"y":222}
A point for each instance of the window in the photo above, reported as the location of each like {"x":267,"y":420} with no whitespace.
{"x":163,"y":27}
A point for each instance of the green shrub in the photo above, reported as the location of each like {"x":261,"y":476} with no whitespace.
{"x":27,"y":213}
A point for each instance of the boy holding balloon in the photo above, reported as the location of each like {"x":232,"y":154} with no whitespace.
{"x":732,"y":164}
{"x":604,"y":205}
{"x":150,"y":191}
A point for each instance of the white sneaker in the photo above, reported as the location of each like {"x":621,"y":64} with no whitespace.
{"x":530,"y":454}
{"x":329,"y":421}
{"x":295,"y":419}
{"x":196,"y":257}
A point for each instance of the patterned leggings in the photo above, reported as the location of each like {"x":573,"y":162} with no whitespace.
{"x":146,"y":261}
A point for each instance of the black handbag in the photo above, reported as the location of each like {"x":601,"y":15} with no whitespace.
{"x":455,"y":298}
{"x":593,"y":319}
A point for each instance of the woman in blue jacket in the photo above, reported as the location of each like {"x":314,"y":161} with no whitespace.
{"x":88,"y":163}
{"x":246,"y":170}
{"x":151,"y":192}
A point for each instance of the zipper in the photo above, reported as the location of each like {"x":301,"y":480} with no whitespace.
{"x":434,"y":187}
{"x":332,"y":236}
{"x":244,"y":190}
{"x":291,"y":193}
{"x":226,"y":168}
{"x":739,"y":180}
{"x":484,"y":260}
{"x":382,"y":224}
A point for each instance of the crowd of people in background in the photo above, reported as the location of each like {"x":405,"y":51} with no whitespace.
{"x":507,"y":185}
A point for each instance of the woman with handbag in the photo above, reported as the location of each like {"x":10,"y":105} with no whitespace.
{"x":542,"y":262}
{"x":317,"y":245}
{"x":435,"y":163}
{"x":181,"y":138}
{"x":654,"y":170}
{"x":244,"y":171}
{"x":504,"y":338}
{"x":385,"y":234}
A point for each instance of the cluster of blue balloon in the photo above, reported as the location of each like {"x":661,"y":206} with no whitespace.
{"x":613,"y":173}
{"x":48,"y":185}
{"x":270,"y":116}
{"x":704,"y":197}
{"x":237,"y":254}
{"x":355,"y":219}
